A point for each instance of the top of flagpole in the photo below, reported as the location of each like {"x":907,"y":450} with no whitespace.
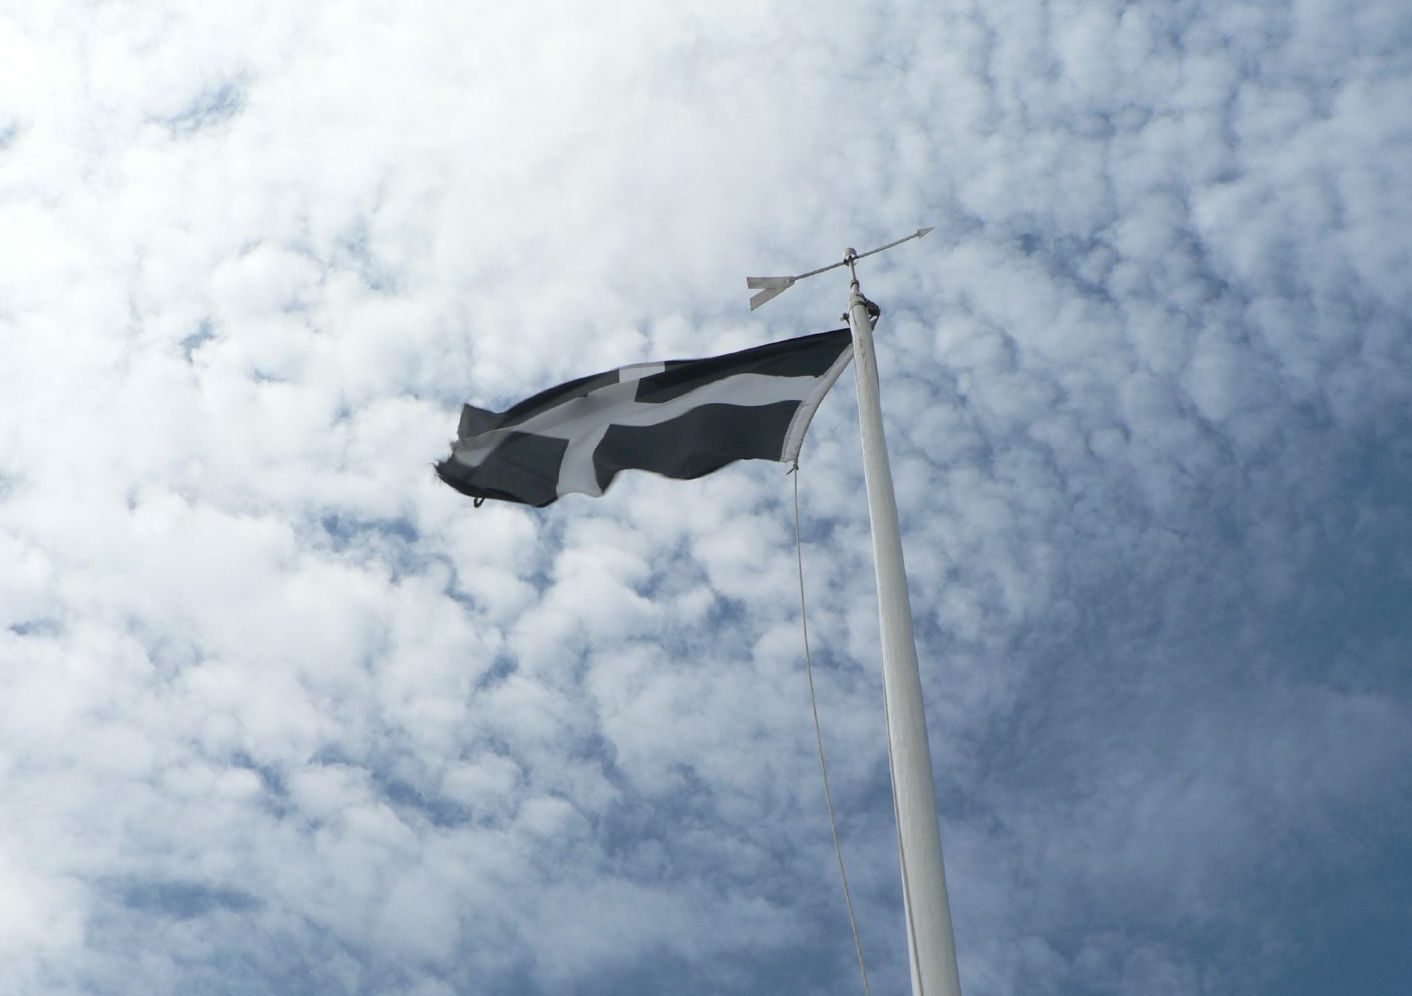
{"x":772,"y":287}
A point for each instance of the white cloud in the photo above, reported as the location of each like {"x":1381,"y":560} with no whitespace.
{"x":279,"y":711}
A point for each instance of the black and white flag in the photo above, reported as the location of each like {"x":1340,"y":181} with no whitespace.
{"x":681,"y":418}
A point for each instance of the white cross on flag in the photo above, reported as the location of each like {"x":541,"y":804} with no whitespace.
{"x":681,"y":418}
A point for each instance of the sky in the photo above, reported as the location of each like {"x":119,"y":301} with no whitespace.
{"x":280,"y":713}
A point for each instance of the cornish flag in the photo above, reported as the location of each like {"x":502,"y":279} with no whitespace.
{"x":681,"y":418}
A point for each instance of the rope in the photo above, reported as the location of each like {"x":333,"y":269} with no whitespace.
{"x":819,"y":738}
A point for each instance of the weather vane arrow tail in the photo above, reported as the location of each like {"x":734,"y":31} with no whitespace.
{"x":769,"y":287}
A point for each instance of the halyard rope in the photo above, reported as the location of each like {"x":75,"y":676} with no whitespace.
{"x":819,"y":737}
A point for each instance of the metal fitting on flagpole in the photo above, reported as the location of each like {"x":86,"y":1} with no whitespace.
{"x":850,"y":256}
{"x":874,"y":311}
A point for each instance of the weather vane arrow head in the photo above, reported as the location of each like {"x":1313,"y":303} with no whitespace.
{"x":772,"y":287}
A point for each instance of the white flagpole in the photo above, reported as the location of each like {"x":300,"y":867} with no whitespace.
{"x":930,"y":944}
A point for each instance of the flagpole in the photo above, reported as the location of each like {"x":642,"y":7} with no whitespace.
{"x":930,"y":943}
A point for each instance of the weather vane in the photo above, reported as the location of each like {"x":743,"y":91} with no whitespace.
{"x":772,"y":287}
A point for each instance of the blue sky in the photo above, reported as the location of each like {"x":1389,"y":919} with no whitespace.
{"x":281,"y":713}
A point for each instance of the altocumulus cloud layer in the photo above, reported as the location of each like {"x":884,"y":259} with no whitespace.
{"x":278,"y":712}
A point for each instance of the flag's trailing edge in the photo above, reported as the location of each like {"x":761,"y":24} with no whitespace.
{"x":681,"y":418}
